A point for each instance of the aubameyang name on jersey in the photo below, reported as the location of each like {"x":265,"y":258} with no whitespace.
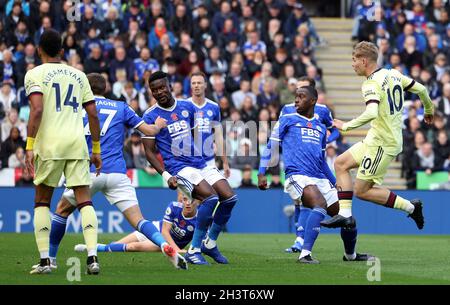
{"x":62,"y":71}
{"x":106,"y":103}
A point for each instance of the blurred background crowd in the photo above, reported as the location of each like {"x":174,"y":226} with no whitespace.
{"x":252,"y":52}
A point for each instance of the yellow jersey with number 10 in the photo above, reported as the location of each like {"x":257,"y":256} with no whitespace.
{"x":386,"y":87}
{"x":64,"y":90}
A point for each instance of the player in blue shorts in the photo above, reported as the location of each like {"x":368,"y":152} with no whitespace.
{"x":182,"y":160}
{"x":210,"y":132}
{"x":349,"y":233}
{"x":177,"y":227}
{"x":113,"y":182}
{"x":302,"y":138}
{"x":323,"y":114}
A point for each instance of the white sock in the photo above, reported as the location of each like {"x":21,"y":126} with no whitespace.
{"x":193,"y":250}
{"x":345,"y":212}
{"x":44,"y":254}
{"x":300,"y":240}
{"x":92,"y":252}
{"x":209,"y":243}
{"x":304,"y":253}
{"x":350,"y":257}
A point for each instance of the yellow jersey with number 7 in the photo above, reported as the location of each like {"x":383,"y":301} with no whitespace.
{"x":64,"y":90}
{"x":386,"y":87}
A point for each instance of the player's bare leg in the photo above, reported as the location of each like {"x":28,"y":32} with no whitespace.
{"x":366,"y":190}
{"x":343,"y":164}
{"x":90,"y":226}
{"x":134,"y":216}
{"x":42,"y":225}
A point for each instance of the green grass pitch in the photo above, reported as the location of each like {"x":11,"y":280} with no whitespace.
{"x":254,"y":259}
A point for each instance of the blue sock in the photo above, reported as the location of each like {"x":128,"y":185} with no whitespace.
{"x":151,"y":232}
{"x":221,"y":217}
{"x":57,"y":232}
{"x":116,"y":247}
{"x":204,"y":218}
{"x":296,"y":216}
{"x":313,"y":227}
{"x":303,"y":218}
{"x":102,"y":248}
{"x":349,"y":236}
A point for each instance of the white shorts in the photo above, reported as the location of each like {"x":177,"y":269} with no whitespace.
{"x":141,"y":237}
{"x":116,"y":187}
{"x":211,"y":173}
{"x":187,"y":178}
{"x":295,"y":184}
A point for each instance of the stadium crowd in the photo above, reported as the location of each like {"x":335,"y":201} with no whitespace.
{"x":251,"y":51}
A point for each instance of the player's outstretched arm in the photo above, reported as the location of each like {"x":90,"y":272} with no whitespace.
{"x":150,"y":153}
{"x":36,"y":110}
{"x":165,"y":232}
{"x":422,"y":92}
{"x":94,"y":127}
{"x":153,"y":129}
{"x":368,"y":115}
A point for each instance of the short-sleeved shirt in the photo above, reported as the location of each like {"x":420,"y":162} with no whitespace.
{"x":114,"y":117}
{"x":302,"y":142}
{"x":207,"y":117}
{"x":176,"y":142}
{"x":183,"y":228}
{"x":386,"y":87}
{"x":64,"y":90}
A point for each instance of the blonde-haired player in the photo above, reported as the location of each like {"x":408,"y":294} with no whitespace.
{"x":56,"y":144}
{"x":383,"y":93}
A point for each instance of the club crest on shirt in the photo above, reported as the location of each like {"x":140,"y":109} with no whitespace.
{"x":209,"y":113}
{"x":190,"y":228}
{"x":185,"y":113}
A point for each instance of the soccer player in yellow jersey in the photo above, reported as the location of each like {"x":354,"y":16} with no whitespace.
{"x":56,"y":144}
{"x":383,"y":94}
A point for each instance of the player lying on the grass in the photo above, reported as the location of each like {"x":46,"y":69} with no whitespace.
{"x":115,"y":117}
{"x":56,"y":145}
{"x":323,"y":114}
{"x":302,"y":138}
{"x":177,"y":227}
{"x":183,"y":162}
{"x":383,"y":93}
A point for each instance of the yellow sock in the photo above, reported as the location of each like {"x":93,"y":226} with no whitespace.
{"x":90,"y":227}
{"x":403,"y":204}
{"x":345,"y":203}
{"x":42,"y":225}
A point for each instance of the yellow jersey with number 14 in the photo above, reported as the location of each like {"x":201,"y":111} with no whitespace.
{"x":386,"y":88}
{"x":64,"y":90}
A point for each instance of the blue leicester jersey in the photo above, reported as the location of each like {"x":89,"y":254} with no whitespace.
{"x":321,"y":113}
{"x":176,"y":143}
{"x":302,"y":142}
{"x":207,"y":116}
{"x":182,"y":229}
{"x":114,"y":117}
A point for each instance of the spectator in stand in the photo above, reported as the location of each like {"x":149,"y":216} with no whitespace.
{"x":287,"y":95}
{"x":298,"y":17}
{"x":444,"y":104}
{"x":7,"y":96}
{"x":217,"y":82}
{"x":254,"y":43}
{"x":410,"y":55}
{"x":160,"y":29}
{"x":95,"y":62}
{"x":247,"y":177}
{"x":7,"y":67}
{"x":442,"y":148}
{"x":214,"y":64}
{"x":229,"y":33}
{"x":267,"y":96}
{"x":248,"y":110}
{"x":425,"y":159}
{"x":181,"y":21}
{"x":121,"y":62}
{"x":235,"y":78}
{"x":408,"y":30}
{"x":133,"y":12}
{"x":12,"y":120}
{"x":112,"y":24}
{"x":439,"y":67}
{"x":239,"y":96}
{"x":143,"y":63}
{"x":129,"y":93}
{"x":218,"y":21}
{"x":17,"y":160}
{"x":431,"y":51}
{"x":9,"y":146}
